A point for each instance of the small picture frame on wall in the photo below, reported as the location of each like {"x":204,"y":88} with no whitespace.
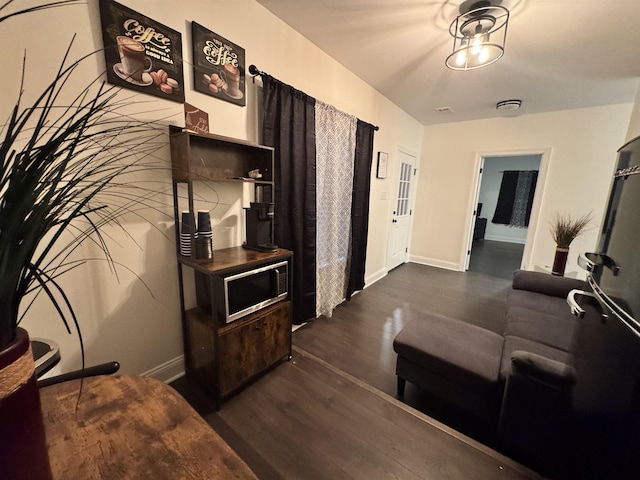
{"x":195,"y":119}
{"x":383,"y":160}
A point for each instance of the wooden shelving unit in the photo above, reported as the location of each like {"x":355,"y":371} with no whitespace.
{"x":226,"y":356}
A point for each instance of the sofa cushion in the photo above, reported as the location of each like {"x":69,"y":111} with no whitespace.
{"x":544,"y":283}
{"x":557,"y":331}
{"x":461,"y":352}
{"x":538,"y":302}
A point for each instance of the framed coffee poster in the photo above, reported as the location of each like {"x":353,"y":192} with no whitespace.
{"x":141,"y":54}
{"x":218,"y":66}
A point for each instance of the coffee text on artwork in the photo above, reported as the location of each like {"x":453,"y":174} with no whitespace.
{"x":146,"y":35}
{"x":219,"y":54}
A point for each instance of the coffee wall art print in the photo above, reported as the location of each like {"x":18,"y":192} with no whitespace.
{"x":140,"y":53}
{"x":218,"y":66}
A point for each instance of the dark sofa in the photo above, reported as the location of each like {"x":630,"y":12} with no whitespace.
{"x":520,"y":381}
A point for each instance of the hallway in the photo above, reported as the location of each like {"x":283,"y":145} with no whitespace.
{"x":496,"y":259}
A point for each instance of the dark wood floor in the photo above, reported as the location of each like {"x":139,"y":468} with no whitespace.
{"x":496,"y":259}
{"x":358,"y":338}
{"x":331,"y":412}
{"x":308,"y":420}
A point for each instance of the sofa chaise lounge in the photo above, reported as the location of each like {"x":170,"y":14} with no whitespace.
{"x":519,"y":381}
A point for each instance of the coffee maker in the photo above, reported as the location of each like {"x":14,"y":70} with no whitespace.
{"x":259,"y":223}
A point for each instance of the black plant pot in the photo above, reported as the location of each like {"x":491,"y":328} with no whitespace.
{"x":560,"y":261}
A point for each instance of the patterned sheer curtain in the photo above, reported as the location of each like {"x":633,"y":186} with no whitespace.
{"x":335,"y":147}
{"x":523,"y":200}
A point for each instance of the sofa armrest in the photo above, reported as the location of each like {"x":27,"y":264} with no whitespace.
{"x":535,"y":423}
{"x":541,"y":369}
{"x":545,"y":283}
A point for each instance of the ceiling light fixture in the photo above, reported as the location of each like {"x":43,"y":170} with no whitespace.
{"x":479,"y":33}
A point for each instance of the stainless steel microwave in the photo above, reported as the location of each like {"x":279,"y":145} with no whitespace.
{"x":251,"y":290}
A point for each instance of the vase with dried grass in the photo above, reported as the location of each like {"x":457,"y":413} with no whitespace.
{"x":565,"y":230}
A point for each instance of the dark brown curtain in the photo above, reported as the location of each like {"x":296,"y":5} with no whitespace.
{"x":360,"y":206}
{"x":506,"y":197}
{"x":289,"y":127}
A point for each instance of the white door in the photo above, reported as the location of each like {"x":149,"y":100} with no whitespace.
{"x":474,"y":215}
{"x":398,"y":250}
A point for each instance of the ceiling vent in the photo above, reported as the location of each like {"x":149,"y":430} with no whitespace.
{"x":444,"y":110}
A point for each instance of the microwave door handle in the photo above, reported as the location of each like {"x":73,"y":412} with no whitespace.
{"x":277,"y":274}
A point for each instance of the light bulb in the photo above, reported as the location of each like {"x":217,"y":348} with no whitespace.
{"x":476,"y":44}
{"x":461,"y":58}
{"x":484,"y":55}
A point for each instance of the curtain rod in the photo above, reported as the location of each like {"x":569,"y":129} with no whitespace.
{"x":253,"y":70}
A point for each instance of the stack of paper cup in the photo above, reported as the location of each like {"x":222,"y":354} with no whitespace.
{"x":204,"y":240}
{"x":187,"y":232}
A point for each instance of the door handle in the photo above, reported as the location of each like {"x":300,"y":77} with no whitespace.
{"x":591,"y":262}
{"x":577,"y":310}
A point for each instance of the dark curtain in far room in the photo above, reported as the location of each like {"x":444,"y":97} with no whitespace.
{"x":515,"y":198}
{"x":289,"y":127}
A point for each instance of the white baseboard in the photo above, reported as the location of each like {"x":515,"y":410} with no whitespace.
{"x":371,"y":279}
{"x":434,"y":262}
{"x":168,"y":371}
{"x":497,"y":238}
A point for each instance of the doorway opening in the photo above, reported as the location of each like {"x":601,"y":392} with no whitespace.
{"x":504,"y":203}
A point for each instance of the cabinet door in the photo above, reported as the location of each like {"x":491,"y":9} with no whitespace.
{"x":200,"y":360}
{"x":254,"y":346}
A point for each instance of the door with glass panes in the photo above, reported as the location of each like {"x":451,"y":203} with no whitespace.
{"x":398,"y":251}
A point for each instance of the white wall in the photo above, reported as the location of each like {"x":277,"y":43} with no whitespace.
{"x":120,"y":319}
{"x":634,"y":124}
{"x":490,"y":189}
{"x":582,"y":142}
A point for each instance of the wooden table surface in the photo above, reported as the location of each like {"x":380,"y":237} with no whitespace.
{"x":131,"y":427}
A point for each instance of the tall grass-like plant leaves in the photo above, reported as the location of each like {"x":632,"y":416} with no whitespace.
{"x":62,"y":178}
{"x":35,"y":8}
{"x":564,"y":229}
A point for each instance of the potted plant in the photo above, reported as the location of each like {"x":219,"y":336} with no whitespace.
{"x":564,"y":230}
{"x":61,"y":180}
